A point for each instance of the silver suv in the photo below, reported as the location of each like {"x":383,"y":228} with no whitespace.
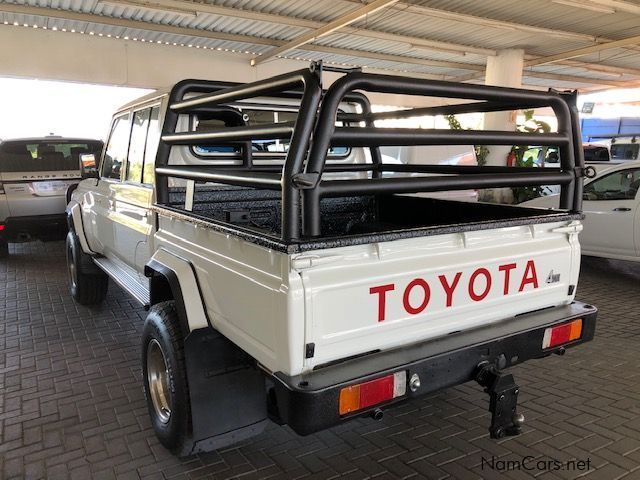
{"x":35,"y":174}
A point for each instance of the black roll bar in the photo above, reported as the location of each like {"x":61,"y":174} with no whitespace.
{"x":328,"y":134}
{"x":315,"y":131}
{"x":365,"y":136}
{"x":456,"y":109}
{"x":299,"y":134}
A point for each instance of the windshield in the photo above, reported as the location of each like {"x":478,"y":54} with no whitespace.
{"x":54,"y":155}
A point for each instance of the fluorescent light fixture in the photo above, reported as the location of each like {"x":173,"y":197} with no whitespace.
{"x":585,"y":6}
{"x":428,"y":48}
{"x":150,"y":6}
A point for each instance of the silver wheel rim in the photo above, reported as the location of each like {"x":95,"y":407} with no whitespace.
{"x":158,"y":379}
{"x":72,"y":267}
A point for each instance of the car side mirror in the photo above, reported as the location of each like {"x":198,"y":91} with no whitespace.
{"x":88,"y":166}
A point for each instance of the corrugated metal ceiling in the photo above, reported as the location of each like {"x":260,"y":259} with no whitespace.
{"x":394,"y":38}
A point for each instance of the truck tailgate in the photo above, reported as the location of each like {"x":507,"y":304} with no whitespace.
{"x":379,"y":296}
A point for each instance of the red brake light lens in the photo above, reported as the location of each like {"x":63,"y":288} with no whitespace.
{"x":2,"y":226}
{"x":562,"y":334}
{"x":367,"y":394}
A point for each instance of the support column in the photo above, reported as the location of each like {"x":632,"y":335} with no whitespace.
{"x":503,"y":70}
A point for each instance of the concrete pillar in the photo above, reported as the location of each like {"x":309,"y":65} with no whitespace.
{"x":504,"y":70}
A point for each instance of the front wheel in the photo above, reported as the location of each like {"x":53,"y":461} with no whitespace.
{"x":165,"y":376}
{"x":88,"y":284}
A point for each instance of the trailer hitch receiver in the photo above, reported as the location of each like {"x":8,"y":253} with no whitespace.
{"x":503,"y":400}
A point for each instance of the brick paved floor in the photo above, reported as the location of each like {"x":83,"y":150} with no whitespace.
{"x":72,"y":406}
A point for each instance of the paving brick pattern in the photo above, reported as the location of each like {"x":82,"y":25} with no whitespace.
{"x":72,"y":406}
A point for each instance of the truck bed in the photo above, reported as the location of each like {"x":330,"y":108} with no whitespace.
{"x":254,"y":215}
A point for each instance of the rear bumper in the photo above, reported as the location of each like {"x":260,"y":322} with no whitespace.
{"x":43,"y":227}
{"x":309,"y":403}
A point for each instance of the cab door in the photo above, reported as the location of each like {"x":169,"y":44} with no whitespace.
{"x":133,"y":218}
{"x":611,"y":207}
{"x":99,"y":198}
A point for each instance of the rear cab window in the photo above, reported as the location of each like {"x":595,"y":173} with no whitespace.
{"x":143,"y":145}
{"x":135,"y":160}
{"x":266,"y":149}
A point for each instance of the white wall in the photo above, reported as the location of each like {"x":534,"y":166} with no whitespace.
{"x":56,"y":55}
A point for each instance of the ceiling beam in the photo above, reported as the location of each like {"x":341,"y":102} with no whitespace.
{"x":46,"y":12}
{"x":392,"y":58}
{"x":193,"y":32}
{"x":618,"y":5}
{"x":585,"y":5}
{"x":573,"y":78}
{"x":478,"y":70}
{"x":489,"y":22}
{"x":597,"y":67}
{"x":330,"y":27}
{"x":552,"y":76}
{"x":579,"y":52}
{"x":191,"y":8}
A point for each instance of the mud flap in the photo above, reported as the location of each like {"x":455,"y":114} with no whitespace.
{"x":227,"y":391}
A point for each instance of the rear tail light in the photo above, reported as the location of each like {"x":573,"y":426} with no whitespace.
{"x":562,"y":334}
{"x":367,"y":394}
{"x":1,"y":227}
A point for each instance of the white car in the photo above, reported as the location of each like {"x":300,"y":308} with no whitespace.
{"x":612,"y":212}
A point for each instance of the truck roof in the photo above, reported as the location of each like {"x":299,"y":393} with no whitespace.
{"x":50,"y":138}
{"x":145,"y":98}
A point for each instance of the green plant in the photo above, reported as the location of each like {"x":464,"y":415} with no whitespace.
{"x":522,"y":194}
{"x":481,"y":150}
{"x":530,"y":125}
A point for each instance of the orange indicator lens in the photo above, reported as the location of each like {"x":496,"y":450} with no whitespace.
{"x":367,"y":394}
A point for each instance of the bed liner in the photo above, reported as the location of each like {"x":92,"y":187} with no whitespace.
{"x":273,"y":242}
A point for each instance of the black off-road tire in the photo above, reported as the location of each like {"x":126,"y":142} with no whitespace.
{"x":4,"y":248}
{"x":87,"y":283}
{"x":162,"y":339}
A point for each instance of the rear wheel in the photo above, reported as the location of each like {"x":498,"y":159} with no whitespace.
{"x":165,"y":376}
{"x":88,"y":284}
{"x":4,"y":248}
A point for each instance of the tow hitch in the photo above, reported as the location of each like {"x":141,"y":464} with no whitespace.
{"x":503,"y":400}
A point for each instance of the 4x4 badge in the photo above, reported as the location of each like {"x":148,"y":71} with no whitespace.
{"x":553,"y":277}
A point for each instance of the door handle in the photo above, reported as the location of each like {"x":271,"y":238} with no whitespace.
{"x":621,"y":209}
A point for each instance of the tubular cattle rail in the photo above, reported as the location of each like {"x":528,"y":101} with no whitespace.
{"x":301,"y":180}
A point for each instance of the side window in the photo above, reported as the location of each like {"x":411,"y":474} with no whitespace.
{"x":625,"y":151}
{"x":137,"y":145}
{"x":116,"y":151}
{"x":622,"y":185}
{"x":153,"y":138}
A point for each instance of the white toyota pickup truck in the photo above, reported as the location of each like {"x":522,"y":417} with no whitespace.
{"x":292,"y":276}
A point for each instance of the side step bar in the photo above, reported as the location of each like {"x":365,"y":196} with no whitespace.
{"x":125,"y":280}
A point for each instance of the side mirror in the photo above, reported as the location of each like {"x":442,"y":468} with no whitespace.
{"x":88,"y":166}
